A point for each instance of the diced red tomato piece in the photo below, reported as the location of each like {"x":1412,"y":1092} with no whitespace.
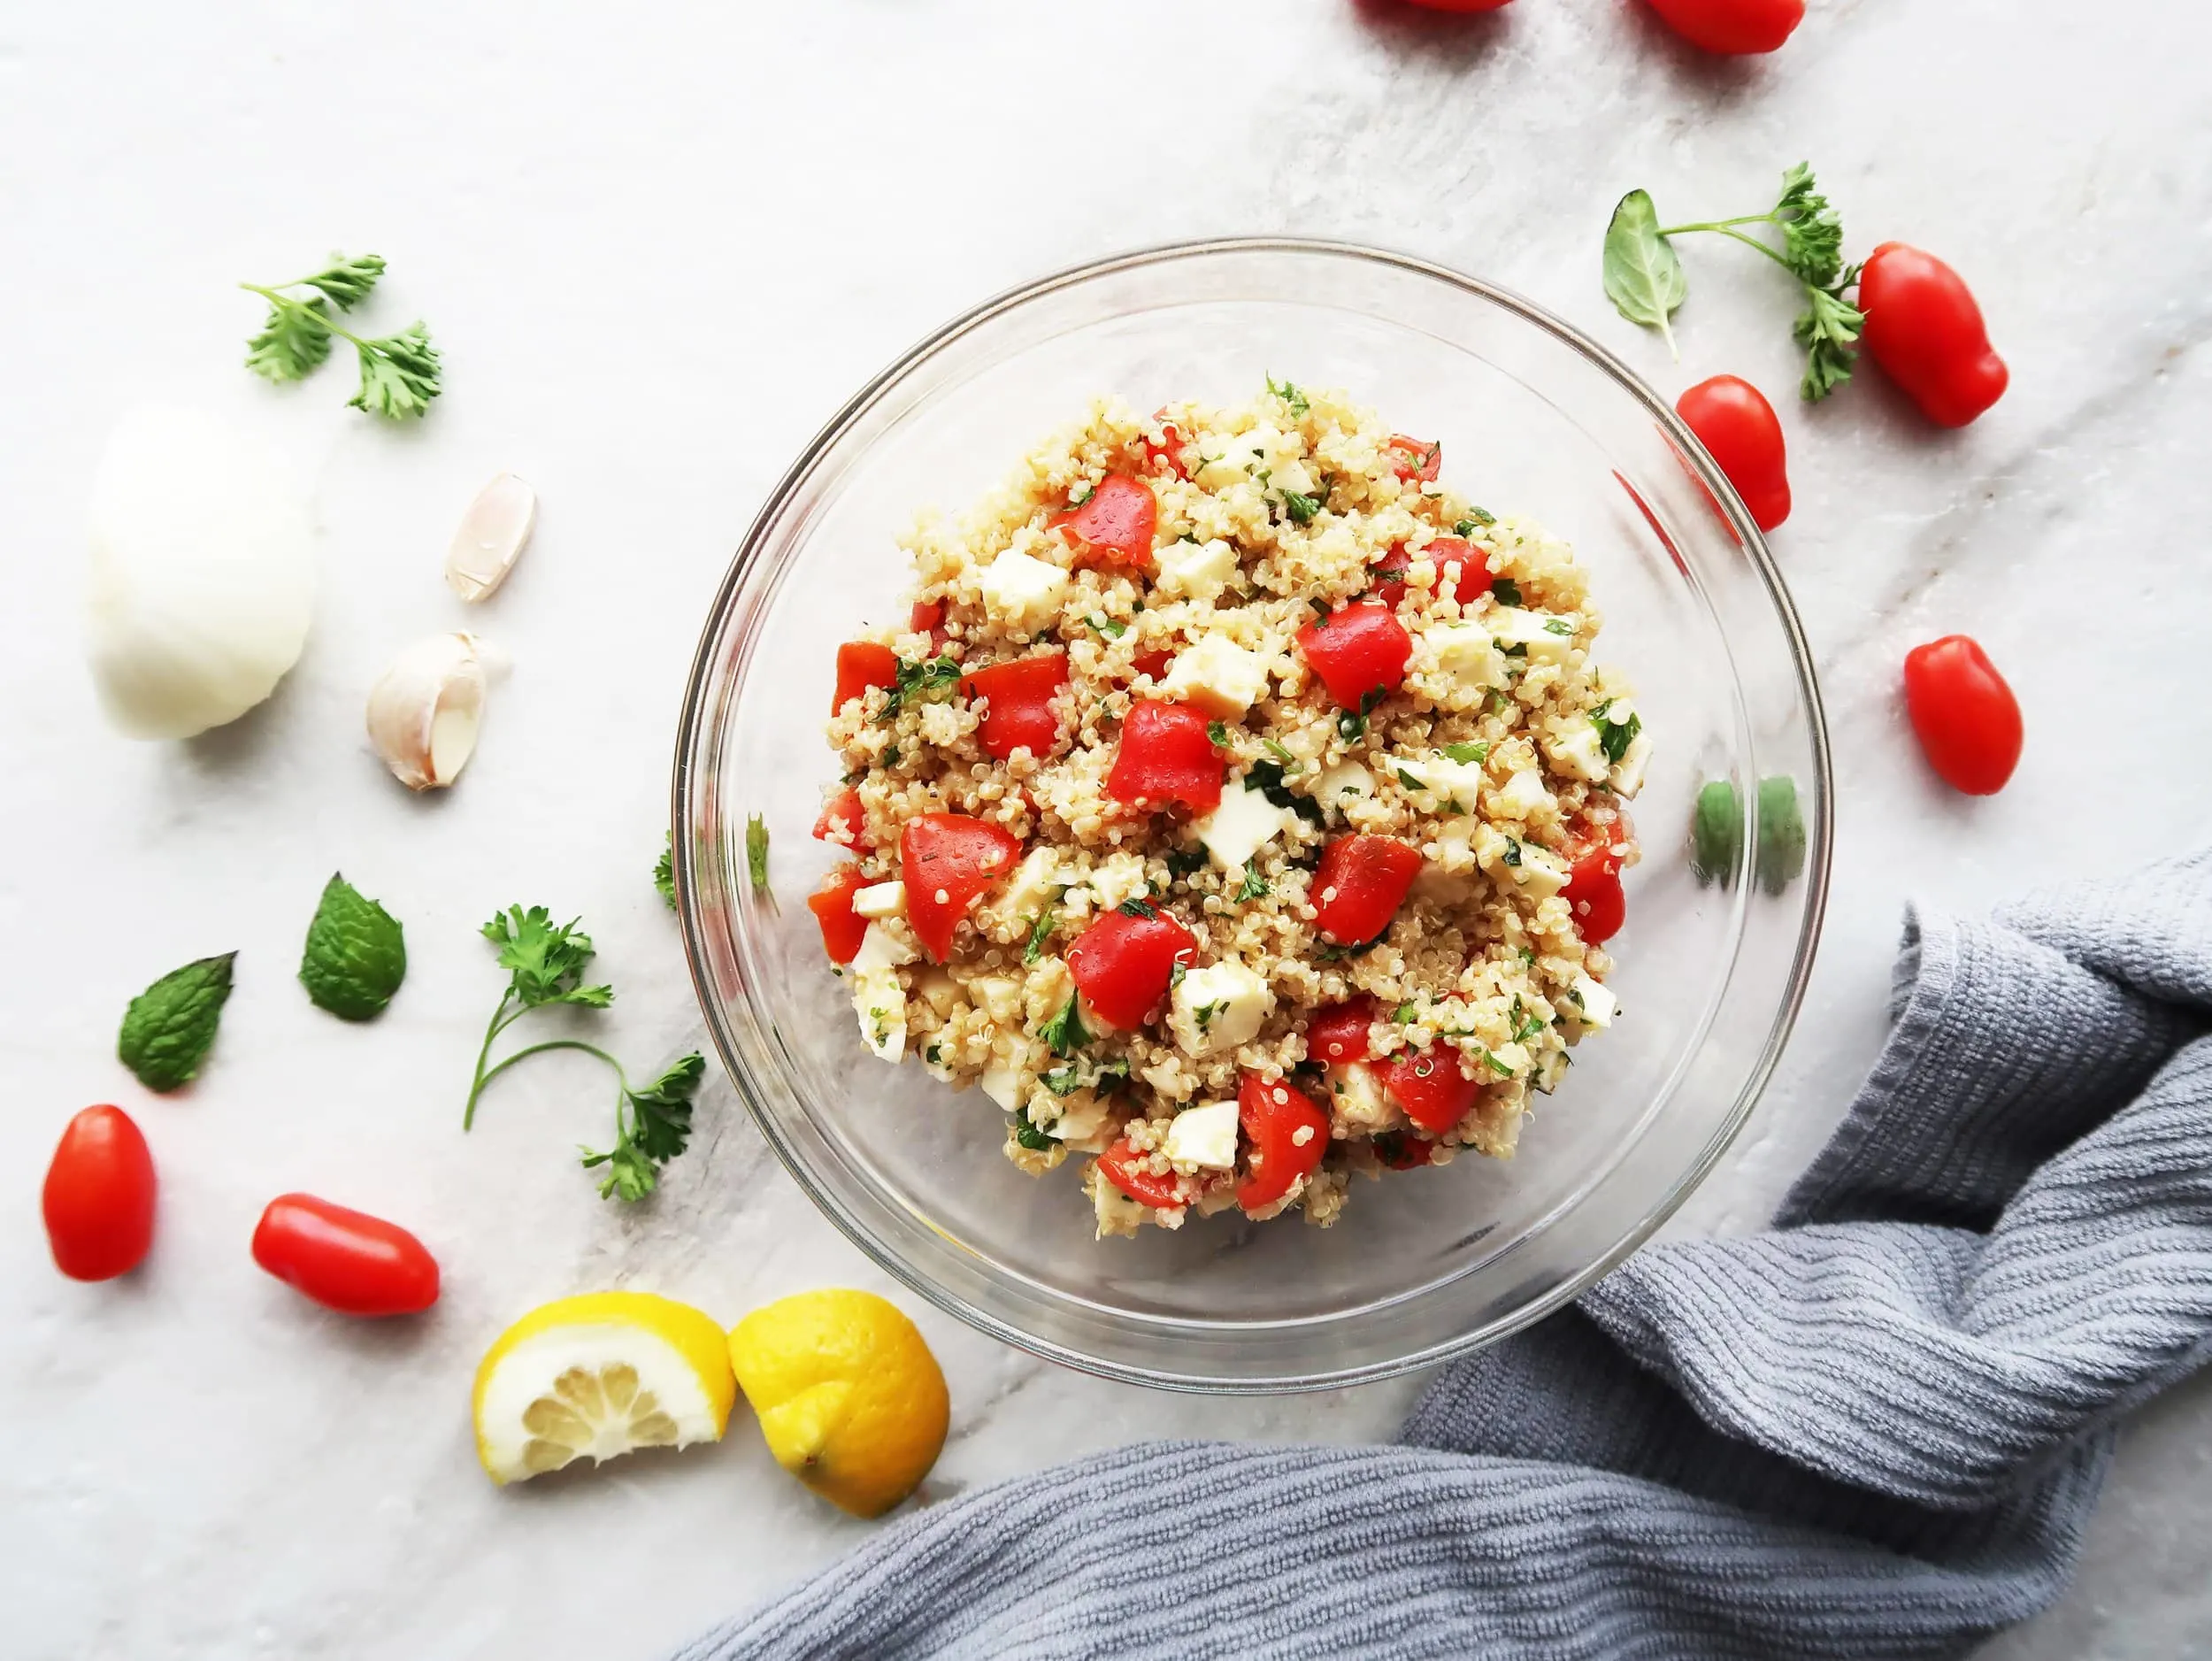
{"x":862,"y":664}
{"x":1400,"y":1152}
{"x":949,"y":862}
{"x":1287,"y":1134}
{"x":1337,"y":1033}
{"x":1594,"y":879}
{"x":1154,"y":663}
{"x":1116,"y":525}
{"x":841,"y":819}
{"x":1122,"y":965}
{"x":1161,"y":1193}
{"x":1471,"y":584}
{"x":1415,"y":459}
{"x":1361,"y":882}
{"x":1357,"y":650}
{"x":832,"y":903}
{"x":1165,"y":757}
{"x":1430,"y":1087}
{"x":927,"y":618}
{"x":1020,"y":694}
{"x":1167,"y":453}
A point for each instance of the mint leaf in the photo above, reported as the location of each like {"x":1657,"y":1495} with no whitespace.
{"x":170,"y":1026}
{"x":355,"y":955}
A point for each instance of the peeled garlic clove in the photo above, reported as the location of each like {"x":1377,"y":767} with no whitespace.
{"x":203,"y":572}
{"x":424,"y":713}
{"x":491,"y":537}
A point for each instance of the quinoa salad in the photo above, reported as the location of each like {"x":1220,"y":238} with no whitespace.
{"x":1238,"y":809}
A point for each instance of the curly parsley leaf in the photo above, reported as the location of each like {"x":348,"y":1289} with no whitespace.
{"x":169,"y":1028}
{"x":545,"y":962}
{"x":1301,"y":508}
{"x":1266,"y":777}
{"x":757,"y":855}
{"x":652,"y":1127}
{"x":1296,"y":401}
{"x":664,"y":870}
{"x":355,"y":954}
{"x":1468,"y":754}
{"x":1029,"y":1136}
{"x":1040,"y":932}
{"x":922,"y":681}
{"x":1253,"y":888}
{"x":294,"y":342}
{"x":399,"y":373}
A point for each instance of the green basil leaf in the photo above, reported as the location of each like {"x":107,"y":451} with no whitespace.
{"x":1643,"y":276}
{"x":355,"y":955}
{"x":170,"y":1026}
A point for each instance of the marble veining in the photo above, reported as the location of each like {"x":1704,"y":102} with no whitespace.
{"x":657,"y":252}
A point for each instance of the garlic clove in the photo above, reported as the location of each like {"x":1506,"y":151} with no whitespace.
{"x":491,"y":537}
{"x":425,"y":711}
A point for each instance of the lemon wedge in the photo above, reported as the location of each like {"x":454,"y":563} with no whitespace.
{"x":600,"y":1375}
{"x":849,"y":1396}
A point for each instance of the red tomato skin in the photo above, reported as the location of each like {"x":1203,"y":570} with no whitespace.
{"x":1733,"y":420}
{"x":842,"y":929}
{"x":1337,"y":1033}
{"x":345,"y":1260}
{"x":1161,"y":1193}
{"x":1020,"y":715}
{"x":1122,"y":965}
{"x":862,"y":664}
{"x":1164,"y":756}
{"x":1418,"y":460}
{"x":1154,"y":663}
{"x":1357,"y":650}
{"x":1925,"y":330}
{"x":841,"y":819}
{"x":1401,"y":1152}
{"x":1469,"y":586}
{"x":1359,"y":885}
{"x":1964,"y":714}
{"x":1736,"y":28}
{"x":1167,"y":453}
{"x":1593,"y":893}
{"x":98,"y":1200}
{"x":1460,"y":5}
{"x":927,"y":618}
{"x":1117,"y":523}
{"x":1271,"y":1114}
{"x":1430,"y":1086}
{"x":957,"y":856}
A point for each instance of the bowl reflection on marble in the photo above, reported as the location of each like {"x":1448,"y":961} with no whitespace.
{"x":1534,"y":419}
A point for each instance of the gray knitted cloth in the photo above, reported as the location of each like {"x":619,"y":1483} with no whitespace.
{"x":1875,"y":1431}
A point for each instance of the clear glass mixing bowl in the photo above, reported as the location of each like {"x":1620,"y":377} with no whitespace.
{"x":1534,"y":419}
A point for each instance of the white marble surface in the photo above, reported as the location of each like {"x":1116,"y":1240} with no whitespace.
{"x":657,"y":252}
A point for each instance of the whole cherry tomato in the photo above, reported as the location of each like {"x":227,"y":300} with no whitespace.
{"x":1735,"y":28}
{"x":99,"y":1196}
{"x":345,"y":1260}
{"x":1966,"y":716}
{"x":1733,"y":420}
{"x":1927,"y":333}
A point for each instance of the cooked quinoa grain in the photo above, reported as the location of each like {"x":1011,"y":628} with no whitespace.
{"x":1238,"y":808}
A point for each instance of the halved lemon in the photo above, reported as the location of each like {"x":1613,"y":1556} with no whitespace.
{"x":597,"y":1377}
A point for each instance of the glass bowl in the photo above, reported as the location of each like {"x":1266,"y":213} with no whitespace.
{"x":1534,"y":419}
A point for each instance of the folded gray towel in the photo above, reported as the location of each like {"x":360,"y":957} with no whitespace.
{"x":1875,"y":1431}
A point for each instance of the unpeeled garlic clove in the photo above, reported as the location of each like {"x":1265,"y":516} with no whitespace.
{"x":425,"y":711}
{"x":491,"y":537}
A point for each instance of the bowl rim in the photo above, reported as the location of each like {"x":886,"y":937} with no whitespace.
{"x":1815,"y":876}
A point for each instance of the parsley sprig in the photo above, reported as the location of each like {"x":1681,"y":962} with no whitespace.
{"x":1645,"y":281}
{"x":545,"y":964}
{"x":399,"y":372}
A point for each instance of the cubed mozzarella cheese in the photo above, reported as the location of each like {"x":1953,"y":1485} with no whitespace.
{"x":880,"y":949}
{"x":1551,"y":1067}
{"x":1580,"y":754}
{"x":1515,"y":626}
{"x":1217,"y":1007}
{"x":1204,"y":1136}
{"x":880,"y":899}
{"x":1589,"y":1002}
{"x":1002,"y":1081}
{"x":1441,"y":779}
{"x":1465,"y":653}
{"x":1082,"y":1118}
{"x":1217,"y":676}
{"x":1523,"y":796}
{"x":1628,"y":773}
{"x":1539,"y":875}
{"x":1346,"y":781}
{"x":998,"y":996}
{"x":1356,"y":1096}
{"x":1292,"y":479}
{"x":1197,"y":571}
{"x":1022,"y":591}
{"x":1224,"y":461}
{"x":878,"y":999}
{"x":1513,"y":1058}
{"x":1244,"y":823}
